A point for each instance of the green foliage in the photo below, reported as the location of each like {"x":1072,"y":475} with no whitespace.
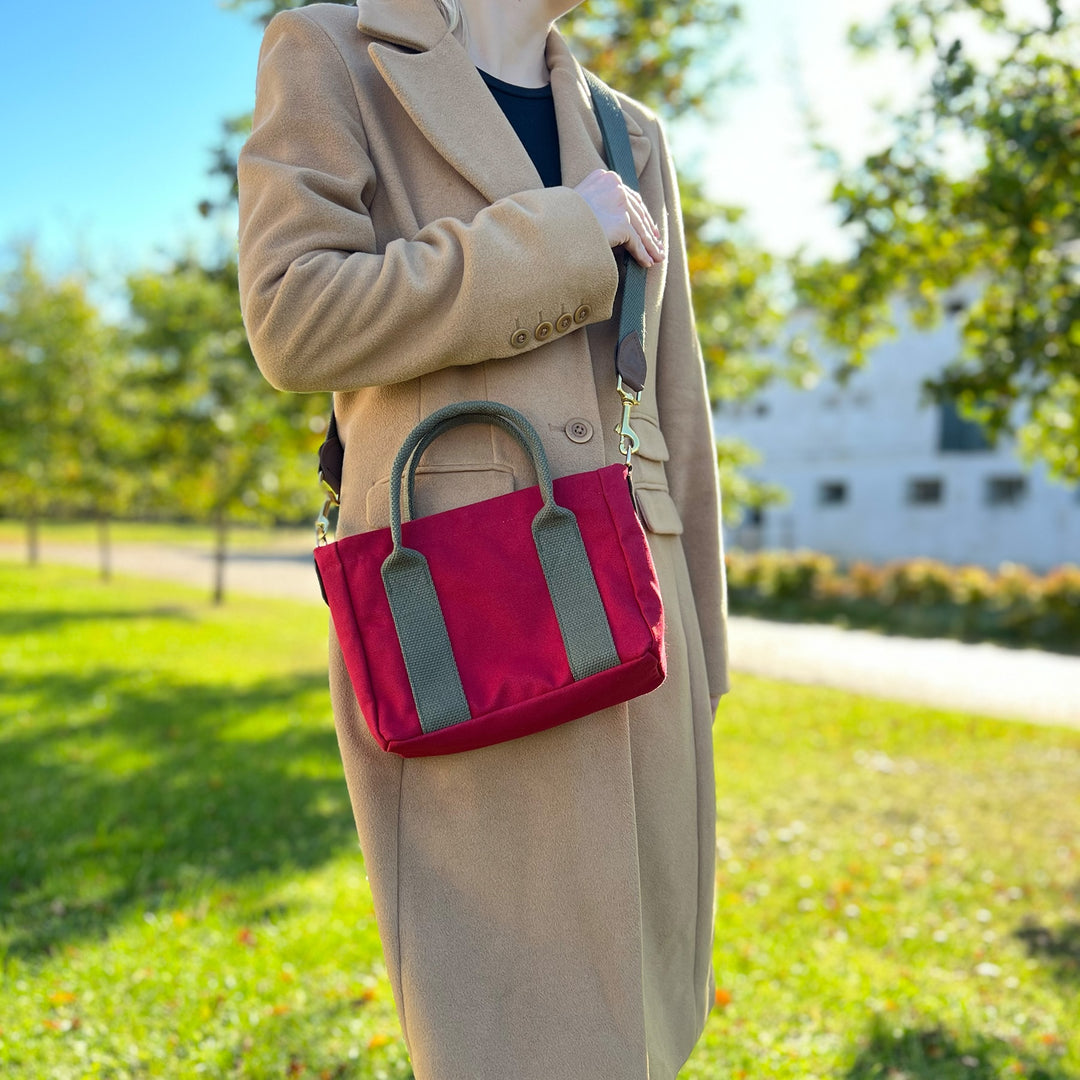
{"x":71,"y":429}
{"x":224,"y":444}
{"x":181,"y":893}
{"x":920,"y":597}
{"x":978,"y":186}
{"x":666,"y":55}
{"x":162,"y":412}
{"x":65,"y":438}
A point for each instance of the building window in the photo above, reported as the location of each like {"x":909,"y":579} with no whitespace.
{"x":957,"y":434}
{"x":925,"y":491}
{"x":832,"y":492}
{"x":1005,"y":490}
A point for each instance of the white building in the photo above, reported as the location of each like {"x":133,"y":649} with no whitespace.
{"x":874,"y":473}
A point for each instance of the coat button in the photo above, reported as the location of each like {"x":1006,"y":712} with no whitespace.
{"x":564,"y":322}
{"x":582,"y":314}
{"x":578,"y":430}
{"x":543,"y":331}
{"x":519,"y":339}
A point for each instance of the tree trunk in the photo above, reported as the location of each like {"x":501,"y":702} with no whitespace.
{"x":221,"y":524}
{"x":33,"y":547}
{"x":104,"y":547}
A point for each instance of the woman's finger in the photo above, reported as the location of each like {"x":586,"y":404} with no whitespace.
{"x":636,"y":197}
{"x":623,"y":215}
{"x":642,"y":228}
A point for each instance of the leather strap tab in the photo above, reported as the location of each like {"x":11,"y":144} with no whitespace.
{"x":630,"y":362}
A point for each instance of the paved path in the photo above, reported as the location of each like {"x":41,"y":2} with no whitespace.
{"x":1023,"y":684}
{"x":284,"y":572}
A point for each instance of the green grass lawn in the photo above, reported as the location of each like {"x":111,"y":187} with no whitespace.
{"x":181,"y":893}
{"x":249,"y":537}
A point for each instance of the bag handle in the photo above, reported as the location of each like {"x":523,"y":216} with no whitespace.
{"x":454,"y":415}
{"x":418,"y":453}
{"x":414,"y":603}
{"x":631,"y":366}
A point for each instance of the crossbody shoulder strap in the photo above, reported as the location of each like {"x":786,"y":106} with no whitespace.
{"x":630,"y":364}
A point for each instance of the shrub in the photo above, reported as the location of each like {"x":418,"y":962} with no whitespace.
{"x":920,"y":596}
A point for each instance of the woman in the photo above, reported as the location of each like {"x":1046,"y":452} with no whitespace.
{"x":545,"y":905}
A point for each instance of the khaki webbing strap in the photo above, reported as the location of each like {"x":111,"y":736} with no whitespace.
{"x":630,"y":362}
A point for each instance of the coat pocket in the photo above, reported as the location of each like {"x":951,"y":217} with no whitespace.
{"x":658,"y":509}
{"x":442,"y":487}
{"x":653,"y":447}
{"x":650,"y":479}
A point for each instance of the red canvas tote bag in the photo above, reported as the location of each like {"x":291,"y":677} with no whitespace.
{"x":501,"y":618}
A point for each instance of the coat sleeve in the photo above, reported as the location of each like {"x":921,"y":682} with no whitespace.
{"x":686,"y":419}
{"x":324,"y":310}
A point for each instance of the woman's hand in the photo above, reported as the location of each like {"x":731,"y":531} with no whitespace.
{"x":623,"y":215}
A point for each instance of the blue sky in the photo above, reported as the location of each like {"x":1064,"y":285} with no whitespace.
{"x":110,"y":111}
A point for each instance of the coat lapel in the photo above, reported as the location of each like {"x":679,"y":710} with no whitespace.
{"x":581,"y":145}
{"x":432,"y":76}
{"x":444,"y":95}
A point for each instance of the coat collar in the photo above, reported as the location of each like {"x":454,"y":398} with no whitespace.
{"x":431,"y":74}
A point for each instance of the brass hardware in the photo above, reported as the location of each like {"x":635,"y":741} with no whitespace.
{"x":629,"y":443}
{"x":543,"y":331}
{"x":564,"y":322}
{"x":520,"y":338}
{"x":322,"y":522}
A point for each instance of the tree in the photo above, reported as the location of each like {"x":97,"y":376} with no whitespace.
{"x":61,"y":446}
{"x":669,"y":56}
{"x":225,"y":445}
{"x":979,"y":184}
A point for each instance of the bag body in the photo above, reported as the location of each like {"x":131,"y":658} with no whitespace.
{"x":504,"y":635}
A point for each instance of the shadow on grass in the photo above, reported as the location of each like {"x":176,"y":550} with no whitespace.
{"x":934,"y":1053}
{"x":157,"y":790}
{"x":16,"y":621}
{"x":1060,"y":948}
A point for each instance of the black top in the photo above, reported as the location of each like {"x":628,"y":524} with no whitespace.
{"x":531,"y":112}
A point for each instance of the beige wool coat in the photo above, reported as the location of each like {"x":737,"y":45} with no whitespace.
{"x":545,"y":905}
